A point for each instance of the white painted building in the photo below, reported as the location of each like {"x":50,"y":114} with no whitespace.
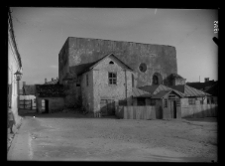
{"x":14,"y":66}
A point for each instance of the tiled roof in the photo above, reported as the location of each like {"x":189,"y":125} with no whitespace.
{"x":189,"y":91}
{"x":140,"y":93}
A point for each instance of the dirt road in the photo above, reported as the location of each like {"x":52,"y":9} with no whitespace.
{"x":69,"y":137}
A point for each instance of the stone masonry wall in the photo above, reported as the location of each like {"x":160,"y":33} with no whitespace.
{"x":158,"y":58}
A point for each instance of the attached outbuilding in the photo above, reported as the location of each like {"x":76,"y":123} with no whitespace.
{"x":50,"y":98}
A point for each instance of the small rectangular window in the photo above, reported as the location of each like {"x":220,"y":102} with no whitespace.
{"x":9,"y":95}
{"x":123,"y":102}
{"x":87,"y":79}
{"x":132,"y":80}
{"x":112,"y":78}
{"x":152,"y":102}
{"x":165,"y":103}
{"x":178,"y":103}
{"x":141,"y":101}
{"x":191,"y":101}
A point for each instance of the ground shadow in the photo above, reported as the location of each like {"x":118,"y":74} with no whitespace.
{"x":61,"y":114}
{"x":205,"y":119}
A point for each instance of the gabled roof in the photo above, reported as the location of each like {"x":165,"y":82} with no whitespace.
{"x":160,"y":90}
{"x":136,"y":92}
{"x":161,"y":94}
{"x":175,"y":75}
{"x":190,"y":91}
{"x":90,"y":66}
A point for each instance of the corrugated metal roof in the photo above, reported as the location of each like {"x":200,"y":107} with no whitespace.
{"x":190,"y":91}
{"x":140,"y":93}
{"x":160,"y":90}
{"x":154,"y":89}
{"x":160,"y":94}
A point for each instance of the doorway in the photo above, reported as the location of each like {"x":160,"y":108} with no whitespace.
{"x":46,"y":106}
{"x":107,"y":107}
{"x":174,"y":109}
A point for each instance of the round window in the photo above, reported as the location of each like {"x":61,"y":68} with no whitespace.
{"x":143,"y":67}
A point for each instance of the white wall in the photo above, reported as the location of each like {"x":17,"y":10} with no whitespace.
{"x":13,"y":66}
{"x":102,"y":90}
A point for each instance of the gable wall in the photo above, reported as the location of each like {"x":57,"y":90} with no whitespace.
{"x":102,"y":90}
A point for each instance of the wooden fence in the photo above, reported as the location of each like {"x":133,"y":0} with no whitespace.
{"x":152,"y":112}
{"x":27,"y":104}
{"x":199,"y":111}
{"x":136,"y":112}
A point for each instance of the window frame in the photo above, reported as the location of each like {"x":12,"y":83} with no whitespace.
{"x":112,"y":78}
{"x":166,"y":103}
{"x":191,"y":101}
{"x":87,"y":83}
{"x":140,"y":100}
{"x":111,"y":63}
{"x":132,"y":80}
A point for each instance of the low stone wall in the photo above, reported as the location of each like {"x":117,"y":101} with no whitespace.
{"x":136,"y":112}
{"x":199,"y":111}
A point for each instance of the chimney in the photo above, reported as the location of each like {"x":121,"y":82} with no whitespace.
{"x":207,"y":79}
{"x":52,"y":79}
{"x":45,"y":80}
{"x":24,"y":83}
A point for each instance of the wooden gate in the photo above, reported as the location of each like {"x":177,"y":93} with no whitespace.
{"x":107,"y":107}
{"x":25,"y":104}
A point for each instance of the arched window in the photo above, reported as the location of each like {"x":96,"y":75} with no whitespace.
{"x":157,"y":79}
{"x":143,"y":67}
{"x":111,"y":62}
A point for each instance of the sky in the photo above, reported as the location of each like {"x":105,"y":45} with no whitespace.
{"x":41,"y":32}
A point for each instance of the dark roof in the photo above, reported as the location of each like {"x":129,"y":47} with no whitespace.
{"x":213,"y":90}
{"x":136,"y":92}
{"x":54,"y":81}
{"x":87,"y":67}
{"x":202,"y":85}
{"x":50,"y":90}
{"x":161,"y":94}
{"x":175,"y":75}
{"x":29,"y":89}
{"x":189,"y":91}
